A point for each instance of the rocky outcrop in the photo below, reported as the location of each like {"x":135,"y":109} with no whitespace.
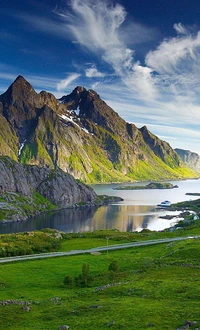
{"x":191,"y":159}
{"x":58,"y":187}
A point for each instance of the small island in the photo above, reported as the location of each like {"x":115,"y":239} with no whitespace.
{"x":152,"y":185}
{"x":193,"y":194}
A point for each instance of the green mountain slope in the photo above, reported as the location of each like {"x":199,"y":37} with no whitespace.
{"x":83,"y":136}
{"x":191,"y":159}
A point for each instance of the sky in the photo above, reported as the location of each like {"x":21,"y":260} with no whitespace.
{"x":141,"y":56}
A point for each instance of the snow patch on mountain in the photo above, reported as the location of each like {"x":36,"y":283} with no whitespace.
{"x":71,"y":119}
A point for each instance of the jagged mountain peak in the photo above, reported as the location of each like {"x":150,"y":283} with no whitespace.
{"x":90,"y":108}
{"x":93,"y":143}
{"x":79,"y":89}
{"x":20,"y":79}
{"x":18,"y":90}
{"x":73,"y":99}
{"x":144,"y":129}
{"x":21,"y":107}
{"x":76,"y":93}
{"x":21,"y":84}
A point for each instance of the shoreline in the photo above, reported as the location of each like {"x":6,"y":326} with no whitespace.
{"x":101,"y":201}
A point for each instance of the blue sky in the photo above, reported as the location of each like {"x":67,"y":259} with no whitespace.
{"x":142,"y":57}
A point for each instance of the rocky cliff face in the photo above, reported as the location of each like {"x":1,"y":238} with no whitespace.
{"x":81,"y":135}
{"x":161,"y":148}
{"x":191,"y":159}
{"x":58,"y":187}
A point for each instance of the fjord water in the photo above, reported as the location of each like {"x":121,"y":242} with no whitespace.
{"x":138,"y":211}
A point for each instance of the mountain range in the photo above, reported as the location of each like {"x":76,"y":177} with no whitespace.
{"x":191,"y":159}
{"x":81,"y":135}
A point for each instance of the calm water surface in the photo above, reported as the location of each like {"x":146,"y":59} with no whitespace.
{"x":136,"y":212}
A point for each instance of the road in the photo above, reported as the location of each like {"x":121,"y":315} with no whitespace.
{"x":98,"y":249}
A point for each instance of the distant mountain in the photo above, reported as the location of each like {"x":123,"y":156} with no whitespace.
{"x":191,"y":159}
{"x":83,"y":136}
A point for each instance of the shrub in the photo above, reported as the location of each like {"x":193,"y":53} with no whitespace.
{"x":114,"y":266}
{"x":85,"y":278}
{"x":68,"y":281}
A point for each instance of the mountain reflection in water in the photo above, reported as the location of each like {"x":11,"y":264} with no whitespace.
{"x":136,"y":212}
{"x":121,"y":217}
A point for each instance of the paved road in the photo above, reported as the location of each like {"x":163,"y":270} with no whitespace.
{"x":98,"y":249}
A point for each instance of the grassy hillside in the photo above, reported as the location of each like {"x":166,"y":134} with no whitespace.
{"x":154,"y":287}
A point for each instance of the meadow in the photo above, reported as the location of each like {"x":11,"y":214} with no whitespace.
{"x":154,"y":286}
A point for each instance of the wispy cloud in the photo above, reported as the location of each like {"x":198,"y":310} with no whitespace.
{"x":67,"y":81}
{"x":176,"y":55}
{"x":98,"y":26}
{"x":169,"y":70}
{"x":160,"y":90}
{"x":93,"y":73}
{"x":180,"y":28}
{"x":95,"y":85}
{"x":176,"y":62}
{"x":40,"y":23}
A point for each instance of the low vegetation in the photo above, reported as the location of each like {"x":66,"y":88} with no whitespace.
{"x":49,"y":240}
{"x":16,"y":207}
{"x":155,"y":286}
{"x":193,"y":205}
{"x":138,"y":288}
{"x":29,"y":243}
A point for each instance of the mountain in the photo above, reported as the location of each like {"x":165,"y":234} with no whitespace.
{"x":191,"y":159}
{"x":83,"y":136}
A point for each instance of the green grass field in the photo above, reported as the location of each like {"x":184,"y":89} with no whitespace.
{"x":155,"y":287}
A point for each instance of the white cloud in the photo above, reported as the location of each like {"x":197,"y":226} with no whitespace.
{"x":95,"y":23}
{"x":93,"y":73}
{"x":170,"y":72}
{"x":177,"y":64}
{"x":100,"y":27}
{"x":65,"y":82}
{"x":97,"y":26}
{"x":176,"y":55}
{"x":180,"y":28}
{"x":164,"y":91}
{"x":140,"y":80}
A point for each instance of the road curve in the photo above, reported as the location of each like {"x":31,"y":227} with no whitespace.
{"x":98,"y":249}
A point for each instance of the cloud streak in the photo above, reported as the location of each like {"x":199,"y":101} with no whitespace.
{"x":97,"y":26}
{"x":61,"y":86}
{"x":161,"y":89}
{"x":170,"y":71}
{"x":176,"y":55}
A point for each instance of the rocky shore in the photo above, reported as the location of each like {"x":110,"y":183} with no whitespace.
{"x":27,"y":190}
